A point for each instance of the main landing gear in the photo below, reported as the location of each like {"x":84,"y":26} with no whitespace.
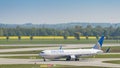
{"x":69,"y":59}
{"x":76,"y":59}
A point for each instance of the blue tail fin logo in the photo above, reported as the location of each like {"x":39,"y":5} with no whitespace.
{"x":99,"y":43}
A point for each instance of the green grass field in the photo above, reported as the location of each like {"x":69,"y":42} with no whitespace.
{"x":55,"y":41}
{"x":23,"y":52}
{"x":22,"y":57}
{"x":106,"y":56}
{"x":38,"y":66}
{"x":113,"y":61}
{"x":14,"y":47}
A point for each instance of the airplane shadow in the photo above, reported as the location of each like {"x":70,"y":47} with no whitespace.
{"x":49,"y":60}
{"x":58,"y":60}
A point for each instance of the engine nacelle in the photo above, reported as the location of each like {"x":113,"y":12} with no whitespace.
{"x":72,"y":57}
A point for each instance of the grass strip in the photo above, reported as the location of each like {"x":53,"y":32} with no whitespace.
{"x":89,"y":41}
{"x":113,"y":61}
{"x":39,"y":66}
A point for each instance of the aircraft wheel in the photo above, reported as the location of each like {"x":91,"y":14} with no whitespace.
{"x":76,"y":59}
{"x":67,"y":59}
{"x":44,"y":59}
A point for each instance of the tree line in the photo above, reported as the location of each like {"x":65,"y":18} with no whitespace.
{"x":75,"y":31}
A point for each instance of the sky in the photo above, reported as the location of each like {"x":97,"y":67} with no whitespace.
{"x":59,"y":11}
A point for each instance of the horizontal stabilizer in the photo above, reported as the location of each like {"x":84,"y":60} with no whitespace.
{"x":108,"y":50}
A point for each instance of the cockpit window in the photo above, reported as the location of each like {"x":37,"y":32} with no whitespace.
{"x":42,"y":52}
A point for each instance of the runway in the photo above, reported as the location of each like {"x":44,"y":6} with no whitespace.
{"x":82,"y":62}
{"x":19,"y":55}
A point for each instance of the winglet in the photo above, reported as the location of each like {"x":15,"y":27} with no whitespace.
{"x":99,"y":43}
{"x":60,"y":47}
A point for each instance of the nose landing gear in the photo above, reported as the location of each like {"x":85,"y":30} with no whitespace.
{"x":44,"y":59}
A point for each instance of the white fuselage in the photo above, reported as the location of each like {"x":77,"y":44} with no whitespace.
{"x":52,"y":54}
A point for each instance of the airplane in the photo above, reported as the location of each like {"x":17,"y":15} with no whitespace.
{"x":73,"y":54}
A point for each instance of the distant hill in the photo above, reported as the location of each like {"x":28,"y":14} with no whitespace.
{"x":58,"y":26}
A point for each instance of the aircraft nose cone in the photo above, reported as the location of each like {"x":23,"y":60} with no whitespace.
{"x":41,"y":54}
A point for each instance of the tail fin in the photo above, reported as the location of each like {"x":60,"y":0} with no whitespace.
{"x":98,"y":45}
